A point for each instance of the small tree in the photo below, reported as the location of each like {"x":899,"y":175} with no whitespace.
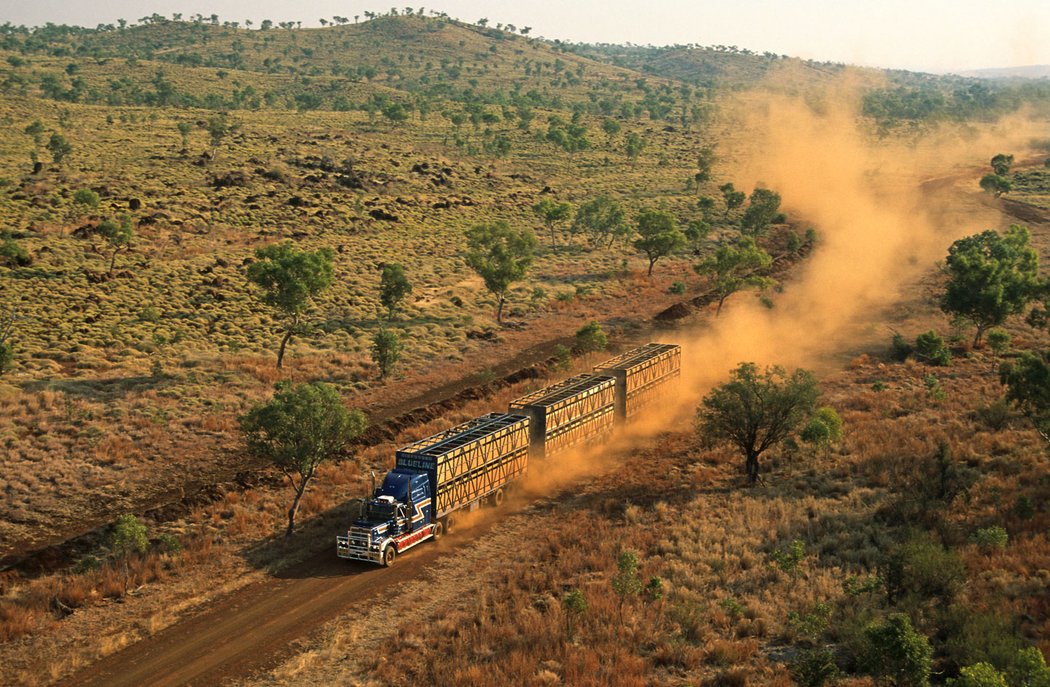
{"x":394,"y":287}
{"x":12,"y":254}
{"x":898,"y":652}
{"x":659,"y":236}
{"x":733,"y":198}
{"x":978,"y":675}
{"x":763,"y":209}
{"x":590,"y":338}
{"x":733,"y":267}
{"x":931,"y":349}
{"x":633,"y":146}
{"x":754,"y":411}
{"x":184,"y":132}
{"x":298,"y":429}
{"x":611,"y":127}
{"x":217,"y":127}
{"x":1028,"y":386}
{"x":289,"y":280}
{"x":386,"y":351}
{"x":1001,"y":164}
{"x":626,"y":583}
{"x":552,"y":213}
{"x":824,"y":429}
{"x":500,"y":256}
{"x":601,"y":219}
{"x":575,"y":605}
{"x":995,"y":184}
{"x":59,"y":148}
{"x":118,"y":235}
{"x":990,"y":277}
{"x":86,"y":198}
{"x":128,"y":536}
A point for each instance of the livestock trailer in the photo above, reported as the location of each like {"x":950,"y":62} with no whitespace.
{"x":643,"y":375}
{"x":581,"y":408}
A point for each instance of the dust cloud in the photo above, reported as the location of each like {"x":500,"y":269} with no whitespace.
{"x":885,"y":212}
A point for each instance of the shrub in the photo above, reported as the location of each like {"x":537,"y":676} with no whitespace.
{"x":998,"y":340}
{"x":1028,"y":669}
{"x":814,"y":667}
{"x":386,"y":351}
{"x":930,"y":348}
{"x":924,"y":569}
{"x":978,"y":637}
{"x":87,"y":564}
{"x":591,"y":338}
{"x":823,"y":429}
{"x":995,"y":415}
{"x":900,"y":349}
{"x":677,"y":287}
{"x":86,"y":197}
{"x":562,"y":358}
{"x":7,"y":356}
{"x":169,"y":543}
{"x":989,"y":539}
{"x":788,"y":558}
{"x":895,"y":650}
{"x":14,"y":255}
{"x":1024,"y":509}
{"x":978,"y":675}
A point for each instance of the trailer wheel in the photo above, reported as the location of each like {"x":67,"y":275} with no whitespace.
{"x":450,"y":524}
{"x":439,"y":530}
{"x":497,"y":498}
{"x":389,"y":555}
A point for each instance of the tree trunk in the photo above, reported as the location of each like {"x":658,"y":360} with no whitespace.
{"x":294,"y":509}
{"x":977,"y":336}
{"x":112,"y":262}
{"x":721,"y":300}
{"x":499,"y":310}
{"x":554,"y":245}
{"x":752,"y":469}
{"x":652,"y":261}
{"x":280,"y":351}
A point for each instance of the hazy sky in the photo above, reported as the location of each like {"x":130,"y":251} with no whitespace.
{"x":933,"y":35}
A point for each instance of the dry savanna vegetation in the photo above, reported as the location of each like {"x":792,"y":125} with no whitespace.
{"x":147,"y":173}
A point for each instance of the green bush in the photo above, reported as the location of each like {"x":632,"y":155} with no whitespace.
{"x":900,"y":349}
{"x":788,"y":558}
{"x":814,"y":667}
{"x":978,"y":675}
{"x":978,"y":637}
{"x":895,"y":650}
{"x":86,"y":197}
{"x":1028,"y":669}
{"x":998,"y":340}
{"x":590,"y":338}
{"x":931,"y":349}
{"x":677,"y":287}
{"x":562,"y":358}
{"x":1024,"y":509}
{"x":995,"y":415}
{"x":14,"y":255}
{"x":7,"y":356}
{"x":989,"y":539}
{"x":923,"y":569}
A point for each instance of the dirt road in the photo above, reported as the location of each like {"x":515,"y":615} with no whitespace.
{"x":253,"y":628}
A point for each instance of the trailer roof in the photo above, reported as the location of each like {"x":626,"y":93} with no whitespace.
{"x":636,"y":356}
{"x":461,"y":435}
{"x":564,"y":389}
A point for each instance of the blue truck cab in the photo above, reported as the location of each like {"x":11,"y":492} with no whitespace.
{"x":398,"y":516}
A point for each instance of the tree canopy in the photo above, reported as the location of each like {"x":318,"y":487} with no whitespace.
{"x":393,"y":287}
{"x":990,"y":277}
{"x":763,"y":209}
{"x":552,"y":212}
{"x":756,"y":410}
{"x":995,"y":184}
{"x":288,"y":280}
{"x":658,"y":235}
{"x":601,"y":219}
{"x":733,"y":267}
{"x":297,"y":430}
{"x":501,"y":256}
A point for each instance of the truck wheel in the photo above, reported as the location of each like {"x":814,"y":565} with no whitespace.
{"x":389,"y":554}
{"x":450,"y":524}
{"x":439,"y":530}
{"x":497,"y":498}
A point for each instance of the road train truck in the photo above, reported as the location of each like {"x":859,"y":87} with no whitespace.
{"x":476,"y":462}
{"x":435,"y":478}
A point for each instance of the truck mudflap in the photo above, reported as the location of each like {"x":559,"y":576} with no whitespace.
{"x":358,"y":545}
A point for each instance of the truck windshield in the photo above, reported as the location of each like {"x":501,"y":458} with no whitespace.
{"x":379,"y":512}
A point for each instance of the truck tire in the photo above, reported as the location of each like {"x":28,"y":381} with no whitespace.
{"x":450,"y":524}
{"x":389,"y":555}
{"x":439,"y":530}
{"x":497,"y":498}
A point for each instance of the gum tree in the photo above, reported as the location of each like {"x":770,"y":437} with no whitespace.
{"x":289,"y":280}
{"x":990,"y":278}
{"x":501,"y":256}
{"x":755,"y":411}
{"x":297,"y":430}
{"x":658,"y":235}
{"x":733,"y":267}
